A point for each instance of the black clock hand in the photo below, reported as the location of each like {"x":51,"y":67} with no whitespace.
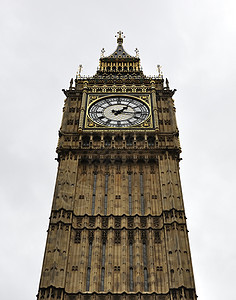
{"x":131,"y":112}
{"x":125,"y":107}
{"x":135,"y":112}
{"x":117,"y":112}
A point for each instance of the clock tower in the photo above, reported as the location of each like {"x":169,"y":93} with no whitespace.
{"x":117,"y":228}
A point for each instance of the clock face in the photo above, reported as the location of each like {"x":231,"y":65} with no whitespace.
{"x":118,"y":111}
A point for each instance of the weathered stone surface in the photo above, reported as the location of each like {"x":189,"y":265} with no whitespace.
{"x":118,"y":228}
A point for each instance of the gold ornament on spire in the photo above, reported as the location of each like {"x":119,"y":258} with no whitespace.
{"x":137,"y":52}
{"x":120,"y":37}
{"x":78,"y":74}
{"x":102,"y":52}
{"x":160,"y":74}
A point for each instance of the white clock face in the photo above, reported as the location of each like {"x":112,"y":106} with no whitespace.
{"x":118,"y":111}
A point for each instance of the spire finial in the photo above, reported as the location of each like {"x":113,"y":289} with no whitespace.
{"x":78,"y":74}
{"x":120,"y":37}
{"x":160,"y":74}
{"x":102,"y":52}
{"x":137,"y":52}
{"x":167,"y":83}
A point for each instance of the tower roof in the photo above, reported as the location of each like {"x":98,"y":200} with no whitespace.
{"x":119,"y":63}
{"x":120,"y":51}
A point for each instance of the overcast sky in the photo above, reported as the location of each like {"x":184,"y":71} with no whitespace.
{"x":42,"y":44}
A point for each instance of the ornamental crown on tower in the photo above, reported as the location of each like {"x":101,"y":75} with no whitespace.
{"x":120,"y":51}
{"x":120,"y":62}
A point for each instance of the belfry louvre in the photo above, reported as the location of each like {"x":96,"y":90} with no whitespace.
{"x":117,"y":228}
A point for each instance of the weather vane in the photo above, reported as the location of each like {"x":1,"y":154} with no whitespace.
{"x":102,"y":52}
{"x":159,"y":71}
{"x":78,"y":74}
{"x":137,"y":52}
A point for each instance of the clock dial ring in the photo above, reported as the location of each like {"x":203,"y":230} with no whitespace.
{"x":118,"y":111}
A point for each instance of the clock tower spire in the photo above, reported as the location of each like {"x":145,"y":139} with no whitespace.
{"x":118,"y":228}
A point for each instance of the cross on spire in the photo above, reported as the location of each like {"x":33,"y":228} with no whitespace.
{"x":120,"y":37}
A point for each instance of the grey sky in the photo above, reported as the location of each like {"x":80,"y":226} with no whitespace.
{"x":42,"y":44}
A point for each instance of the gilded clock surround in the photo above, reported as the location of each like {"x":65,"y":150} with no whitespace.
{"x":146,"y":99}
{"x":117,"y":228}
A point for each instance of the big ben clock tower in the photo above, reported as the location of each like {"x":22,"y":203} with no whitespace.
{"x":118,"y":227}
